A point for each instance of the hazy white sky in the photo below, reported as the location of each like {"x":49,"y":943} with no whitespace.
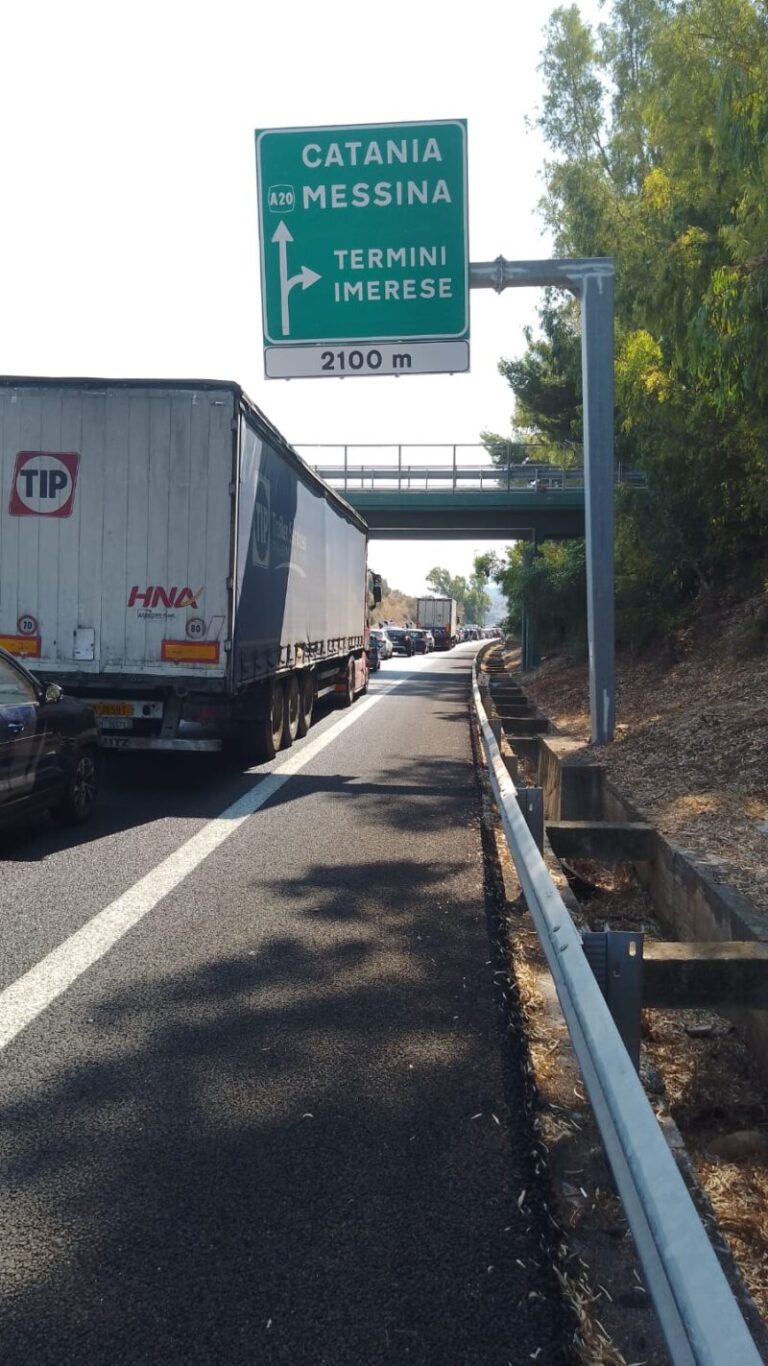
{"x":128,"y":231}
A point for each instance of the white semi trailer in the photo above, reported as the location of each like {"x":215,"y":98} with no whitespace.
{"x":168,"y":557}
{"x":438,"y":615}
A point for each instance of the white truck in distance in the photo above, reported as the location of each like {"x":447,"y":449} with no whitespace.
{"x":438,"y":615}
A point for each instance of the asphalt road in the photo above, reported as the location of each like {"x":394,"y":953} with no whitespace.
{"x":261,"y":1109}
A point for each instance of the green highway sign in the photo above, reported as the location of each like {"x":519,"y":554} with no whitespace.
{"x":364,"y":239}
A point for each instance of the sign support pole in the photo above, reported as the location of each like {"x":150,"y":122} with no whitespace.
{"x":591,"y":281}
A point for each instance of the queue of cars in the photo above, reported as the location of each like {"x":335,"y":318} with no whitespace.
{"x":387,"y":640}
{"x":470,"y":632}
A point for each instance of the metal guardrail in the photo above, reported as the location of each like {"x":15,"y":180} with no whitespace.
{"x":699,"y":1317}
{"x":441,"y":468}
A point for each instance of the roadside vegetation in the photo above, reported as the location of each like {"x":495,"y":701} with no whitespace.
{"x":395,"y":607}
{"x":657,"y":124}
{"x":469,"y":593}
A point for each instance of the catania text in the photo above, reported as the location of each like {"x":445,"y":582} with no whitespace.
{"x":381,"y":193}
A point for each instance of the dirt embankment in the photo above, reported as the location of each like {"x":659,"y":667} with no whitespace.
{"x":691,"y":743}
{"x":691,"y":754}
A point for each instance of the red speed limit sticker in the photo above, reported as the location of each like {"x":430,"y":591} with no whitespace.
{"x":195,"y":628}
{"x":26,"y":625}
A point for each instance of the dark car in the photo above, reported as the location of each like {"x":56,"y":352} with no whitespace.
{"x":49,"y":753}
{"x":373,"y":652}
{"x":420,"y":642}
{"x":443,"y":639}
{"x":402,"y":640}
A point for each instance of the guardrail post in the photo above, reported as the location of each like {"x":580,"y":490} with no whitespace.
{"x":531,"y":803}
{"x":616,"y":959}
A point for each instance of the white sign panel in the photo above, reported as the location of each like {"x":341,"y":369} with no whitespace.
{"x":368,"y":358}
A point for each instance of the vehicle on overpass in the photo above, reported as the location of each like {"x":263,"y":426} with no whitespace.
{"x":168,"y":555}
{"x":438,"y":615}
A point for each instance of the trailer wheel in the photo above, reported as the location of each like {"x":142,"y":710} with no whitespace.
{"x":306,"y":702}
{"x":292,"y":711}
{"x":347,"y":697}
{"x":271,"y":725}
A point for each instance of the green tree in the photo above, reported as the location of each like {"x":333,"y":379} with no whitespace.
{"x":551,"y":589}
{"x":470,"y":593}
{"x":547,"y":379}
{"x":656,"y":124}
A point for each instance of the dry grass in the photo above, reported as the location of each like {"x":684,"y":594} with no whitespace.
{"x":713,"y":1090}
{"x":691,"y":754}
{"x":691,"y":746}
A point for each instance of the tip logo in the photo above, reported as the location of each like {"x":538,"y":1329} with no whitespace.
{"x":262,"y":524}
{"x":43,"y":484}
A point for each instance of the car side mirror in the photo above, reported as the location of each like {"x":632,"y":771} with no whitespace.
{"x":53,"y":693}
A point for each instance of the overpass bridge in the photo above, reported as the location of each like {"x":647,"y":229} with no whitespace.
{"x":458,"y":491}
{"x":464,"y":492}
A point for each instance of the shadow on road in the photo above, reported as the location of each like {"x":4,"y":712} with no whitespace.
{"x":297,"y":1153}
{"x":293,"y":1146}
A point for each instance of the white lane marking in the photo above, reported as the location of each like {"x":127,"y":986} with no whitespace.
{"x":30,"y":995}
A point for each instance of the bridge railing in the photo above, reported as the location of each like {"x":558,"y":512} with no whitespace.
{"x":440,"y":468}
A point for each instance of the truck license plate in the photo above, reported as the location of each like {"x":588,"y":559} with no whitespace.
{"x":115,"y":722}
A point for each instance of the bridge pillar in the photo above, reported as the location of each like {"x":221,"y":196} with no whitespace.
{"x":530,"y":650}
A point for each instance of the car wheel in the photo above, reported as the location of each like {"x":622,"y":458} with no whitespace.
{"x":76,"y":806}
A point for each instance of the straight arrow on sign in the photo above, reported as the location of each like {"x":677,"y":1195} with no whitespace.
{"x":305,"y":278}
